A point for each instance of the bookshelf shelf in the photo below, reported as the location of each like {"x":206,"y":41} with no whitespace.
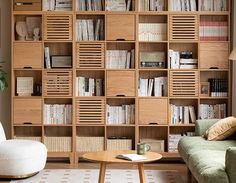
{"x":116,"y":57}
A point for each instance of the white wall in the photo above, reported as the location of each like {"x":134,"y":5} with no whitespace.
{"x":5,"y":55}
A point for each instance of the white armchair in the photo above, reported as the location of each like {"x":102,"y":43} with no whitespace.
{"x":20,"y":158}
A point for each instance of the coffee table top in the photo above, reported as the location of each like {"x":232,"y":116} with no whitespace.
{"x":110,"y":156}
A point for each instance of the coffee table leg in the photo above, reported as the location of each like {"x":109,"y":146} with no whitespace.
{"x":102,"y":173}
{"x":141,"y":173}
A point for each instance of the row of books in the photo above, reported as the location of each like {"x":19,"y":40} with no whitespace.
{"x":183,"y":5}
{"x":57,"y":5}
{"x":153,"y":59}
{"x":152,"y":32}
{"x":152,"y":5}
{"x":90,"y":29}
{"x":153,"y":87}
{"x":57,"y":114}
{"x":213,"y":30}
{"x":124,"y":114}
{"x":217,"y":111}
{"x":174,"y":140}
{"x":218,"y":87}
{"x":118,"y":5}
{"x":120,"y":59}
{"x":90,"y":5}
{"x":176,"y":62}
{"x":182,"y":114}
{"x":214,"y":5}
{"x":89,"y":86}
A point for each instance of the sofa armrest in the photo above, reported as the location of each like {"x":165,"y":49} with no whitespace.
{"x":230,"y":163}
{"x":203,"y":125}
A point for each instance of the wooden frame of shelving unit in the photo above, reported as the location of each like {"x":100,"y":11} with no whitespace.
{"x":127,"y":29}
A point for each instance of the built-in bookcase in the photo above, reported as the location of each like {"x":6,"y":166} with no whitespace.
{"x":137,"y":72}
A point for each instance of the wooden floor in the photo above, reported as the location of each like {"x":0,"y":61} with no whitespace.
{"x":180,"y":167}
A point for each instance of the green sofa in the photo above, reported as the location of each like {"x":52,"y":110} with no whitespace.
{"x":209,"y":161}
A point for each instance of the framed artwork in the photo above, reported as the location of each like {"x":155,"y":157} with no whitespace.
{"x":205,"y":89}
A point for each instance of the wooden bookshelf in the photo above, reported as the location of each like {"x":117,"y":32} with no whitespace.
{"x":58,"y":31}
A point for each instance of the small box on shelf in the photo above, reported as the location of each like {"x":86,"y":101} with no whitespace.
{"x":26,"y":5}
{"x":89,"y":144}
{"x":114,"y":143}
{"x":155,"y":144}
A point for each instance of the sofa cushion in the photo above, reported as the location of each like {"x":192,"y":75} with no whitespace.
{"x":221,"y":129}
{"x":190,"y":145}
{"x":208,"y":166}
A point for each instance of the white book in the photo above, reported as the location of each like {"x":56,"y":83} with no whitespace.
{"x":90,"y":30}
{"x":150,"y":87}
{"x":131,"y":157}
{"x":77,"y":86}
{"x":47,"y":57}
{"x":97,"y":28}
{"x":84,"y":30}
{"x":128,"y":60}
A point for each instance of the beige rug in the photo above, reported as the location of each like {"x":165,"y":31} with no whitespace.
{"x":91,"y":176}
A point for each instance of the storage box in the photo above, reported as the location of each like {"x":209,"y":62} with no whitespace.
{"x":58,"y":144}
{"x":156,"y":145}
{"x":39,"y":139}
{"x":61,"y":61}
{"x":119,"y":144}
{"x":89,"y":144}
{"x":27,"y":5}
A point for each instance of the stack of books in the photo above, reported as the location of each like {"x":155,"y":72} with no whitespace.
{"x":183,"y":5}
{"x":214,"y":5}
{"x":218,"y":87}
{"x":182,"y":114}
{"x":57,"y":114}
{"x":90,"y":5}
{"x":153,"y":59}
{"x":90,"y":29}
{"x":89,"y":86}
{"x":118,"y":5}
{"x":213,"y":30}
{"x":208,"y":111}
{"x":120,"y":59}
{"x":152,"y":31}
{"x":152,"y":5}
{"x":174,"y":140}
{"x":124,"y":114}
{"x":57,"y":5}
{"x":182,"y":60}
{"x":153,"y":87}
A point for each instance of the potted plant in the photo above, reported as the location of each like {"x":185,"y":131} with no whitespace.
{"x":3,"y":79}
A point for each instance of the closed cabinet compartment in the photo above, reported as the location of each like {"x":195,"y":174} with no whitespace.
{"x":27,"y":111}
{"x":214,"y":55}
{"x":121,"y":83}
{"x":152,"y":111}
{"x":121,"y":27}
{"x":27,"y":55}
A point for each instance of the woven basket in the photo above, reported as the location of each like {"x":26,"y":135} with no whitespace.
{"x":89,"y":144}
{"x":58,"y":144}
{"x":156,"y":145}
{"x":119,"y":144}
{"x":39,"y":139}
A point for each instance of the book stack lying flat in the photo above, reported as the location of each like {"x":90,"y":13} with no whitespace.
{"x":153,"y":59}
{"x":118,"y":5}
{"x":152,"y":31}
{"x":90,"y":29}
{"x":218,"y":87}
{"x":153,"y":87}
{"x":124,"y":114}
{"x":217,"y":111}
{"x":182,"y":114}
{"x":120,"y":59}
{"x":89,"y":86}
{"x":90,"y":5}
{"x":183,"y":5}
{"x":152,"y":5}
{"x":57,"y":114}
{"x":213,"y":30}
{"x":57,"y":5}
{"x":214,"y":5}
{"x":174,"y":140}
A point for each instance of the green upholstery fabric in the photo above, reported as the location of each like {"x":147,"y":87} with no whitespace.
{"x":208,"y":166}
{"x":230,"y":162}
{"x":203,"y":125}
{"x":189,"y":145}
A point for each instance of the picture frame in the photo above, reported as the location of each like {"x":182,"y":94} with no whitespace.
{"x":205,"y":89}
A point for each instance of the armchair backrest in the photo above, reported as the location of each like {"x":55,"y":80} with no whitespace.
{"x":2,"y":133}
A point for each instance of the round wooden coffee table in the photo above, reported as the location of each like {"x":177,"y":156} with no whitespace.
{"x":108,"y":157}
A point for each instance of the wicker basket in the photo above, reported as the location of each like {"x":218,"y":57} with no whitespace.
{"x":119,"y":144}
{"x":156,"y":145}
{"x":58,"y":144}
{"x":89,"y":144}
{"x":39,"y":139}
